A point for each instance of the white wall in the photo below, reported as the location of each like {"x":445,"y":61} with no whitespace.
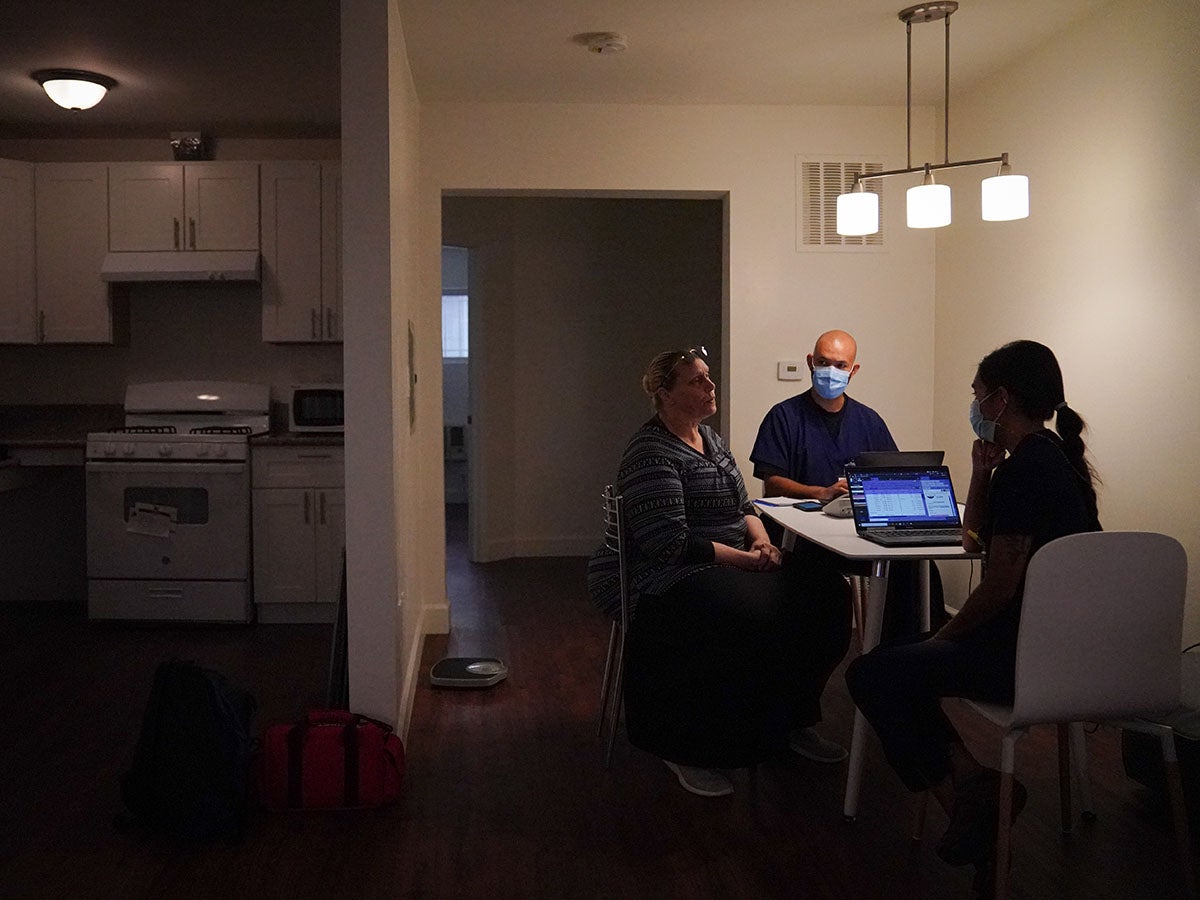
{"x":1105,"y":121}
{"x":779,"y":298}
{"x":416,"y":309}
{"x":388,"y":580}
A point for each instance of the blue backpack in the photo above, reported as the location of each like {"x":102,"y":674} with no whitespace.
{"x":190,"y":772}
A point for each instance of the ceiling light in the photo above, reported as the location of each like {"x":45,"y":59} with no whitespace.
{"x":858,"y":212}
{"x":74,"y":88}
{"x":1005,"y":196}
{"x":602,"y":42}
{"x":928,"y":203}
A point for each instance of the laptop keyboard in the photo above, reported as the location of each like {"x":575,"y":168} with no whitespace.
{"x":926,"y":536}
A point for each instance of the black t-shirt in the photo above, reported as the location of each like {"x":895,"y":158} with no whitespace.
{"x":831,"y":420}
{"x":1034,"y":492}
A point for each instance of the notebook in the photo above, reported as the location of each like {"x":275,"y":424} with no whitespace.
{"x":900,"y":506}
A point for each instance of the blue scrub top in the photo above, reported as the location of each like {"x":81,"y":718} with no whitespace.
{"x":793,"y":440}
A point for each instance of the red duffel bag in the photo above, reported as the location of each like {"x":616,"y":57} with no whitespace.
{"x":332,"y":759}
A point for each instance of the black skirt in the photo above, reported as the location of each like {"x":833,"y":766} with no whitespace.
{"x":726,"y":663}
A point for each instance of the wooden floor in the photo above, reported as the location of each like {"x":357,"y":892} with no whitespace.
{"x":506,"y":794}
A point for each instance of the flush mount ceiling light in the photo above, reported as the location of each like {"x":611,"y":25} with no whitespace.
{"x":602,"y":42}
{"x":1005,"y":196}
{"x":74,"y":88}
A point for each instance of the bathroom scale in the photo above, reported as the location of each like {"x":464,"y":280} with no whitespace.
{"x":467,"y":672}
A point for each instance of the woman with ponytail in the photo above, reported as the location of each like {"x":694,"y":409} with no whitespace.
{"x":1029,"y":486}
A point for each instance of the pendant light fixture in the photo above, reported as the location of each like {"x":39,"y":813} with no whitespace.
{"x":1004,"y":196}
{"x":73,"y":88}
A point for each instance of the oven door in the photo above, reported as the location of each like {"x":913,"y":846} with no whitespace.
{"x":167,"y":521}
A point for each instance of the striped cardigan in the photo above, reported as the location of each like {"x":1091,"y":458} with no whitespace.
{"x":677,"y":501}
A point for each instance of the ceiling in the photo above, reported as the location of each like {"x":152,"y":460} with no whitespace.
{"x":252,"y":68}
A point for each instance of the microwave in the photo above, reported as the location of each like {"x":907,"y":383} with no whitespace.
{"x":316,"y":407}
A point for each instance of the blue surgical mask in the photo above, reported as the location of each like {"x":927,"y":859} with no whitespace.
{"x":830,"y":381}
{"x":984,"y":429}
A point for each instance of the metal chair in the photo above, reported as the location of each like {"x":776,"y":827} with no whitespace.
{"x":1101,"y":628}
{"x":614,"y":663}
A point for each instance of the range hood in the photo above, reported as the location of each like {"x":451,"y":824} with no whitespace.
{"x":182,"y":265}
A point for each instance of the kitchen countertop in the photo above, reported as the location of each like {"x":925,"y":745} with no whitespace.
{"x":56,"y":425}
{"x":277,"y":437}
{"x":55,"y":432}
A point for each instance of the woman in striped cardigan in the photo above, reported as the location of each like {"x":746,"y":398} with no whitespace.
{"x":730,"y":645}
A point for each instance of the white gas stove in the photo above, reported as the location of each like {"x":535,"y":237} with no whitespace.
{"x":168,"y":503}
{"x":186,"y":420}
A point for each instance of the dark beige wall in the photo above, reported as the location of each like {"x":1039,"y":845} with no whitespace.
{"x":571,"y":298}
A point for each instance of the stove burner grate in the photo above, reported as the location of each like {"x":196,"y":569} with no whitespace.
{"x":221,"y":429}
{"x":146,"y":429}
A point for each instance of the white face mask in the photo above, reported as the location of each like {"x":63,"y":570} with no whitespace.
{"x":984,"y":429}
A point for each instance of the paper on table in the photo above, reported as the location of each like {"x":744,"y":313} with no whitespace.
{"x":776,"y":501}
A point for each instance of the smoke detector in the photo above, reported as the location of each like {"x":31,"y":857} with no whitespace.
{"x":602,"y":42}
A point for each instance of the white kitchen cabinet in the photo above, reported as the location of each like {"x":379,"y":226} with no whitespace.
{"x":183,"y":206}
{"x":299,"y":520}
{"x":18,"y":297}
{"x":301,"y":252}
{"x":71,"y":237}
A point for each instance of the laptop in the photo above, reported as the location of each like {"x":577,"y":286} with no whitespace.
{"x":888,"y":458}
{"x":904,"y":506}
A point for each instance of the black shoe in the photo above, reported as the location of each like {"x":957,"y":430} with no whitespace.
{"x":971,"y":834}
{"x":983,"y":885}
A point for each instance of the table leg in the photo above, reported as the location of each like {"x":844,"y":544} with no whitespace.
{"x":923,"y":593}
{"x":874,"y":626}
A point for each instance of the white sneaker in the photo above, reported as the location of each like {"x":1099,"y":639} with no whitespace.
{"x":704,"y":782}
{"x":811,"y":745}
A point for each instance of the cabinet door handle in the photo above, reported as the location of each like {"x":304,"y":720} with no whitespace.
{"x":176,"y":221}
{"x":41,"y":327}
{"x":314,"y":321}
{"x":307,"y":514}
{"x":192,"y":232}
{"x":322,"y":514}
{"x":329,"y":322}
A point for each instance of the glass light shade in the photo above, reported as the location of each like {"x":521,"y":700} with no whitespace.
{"x":70,"y":93}
{"x":857,"y":213}
{"x":1005,"y":197}
{"x":928,"y":206}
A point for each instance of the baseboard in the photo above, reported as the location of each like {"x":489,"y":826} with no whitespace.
{"x":543,"y":546}
{"x":434,"y":619}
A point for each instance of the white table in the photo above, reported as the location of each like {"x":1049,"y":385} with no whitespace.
{"x":839,"y":536}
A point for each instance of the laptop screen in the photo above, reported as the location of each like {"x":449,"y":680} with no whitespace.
{"x":877,"y":459}
{"x":902,"y":496}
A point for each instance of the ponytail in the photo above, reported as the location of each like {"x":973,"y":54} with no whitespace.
{"x":1070,"y":426}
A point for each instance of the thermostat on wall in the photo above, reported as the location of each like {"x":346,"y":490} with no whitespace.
{"x":791,"y":371}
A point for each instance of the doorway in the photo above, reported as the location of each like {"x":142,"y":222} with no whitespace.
{"x":568,"y":299}
{"x":456,"y":362}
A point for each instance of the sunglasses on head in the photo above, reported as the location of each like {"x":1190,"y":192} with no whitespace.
{"x":700,"y":352}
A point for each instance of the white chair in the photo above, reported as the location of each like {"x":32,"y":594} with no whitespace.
{"x":1099,"y":641}
{"x":614,"y":663}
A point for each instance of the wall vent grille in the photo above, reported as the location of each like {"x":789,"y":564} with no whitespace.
{"x":819,"y":182}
